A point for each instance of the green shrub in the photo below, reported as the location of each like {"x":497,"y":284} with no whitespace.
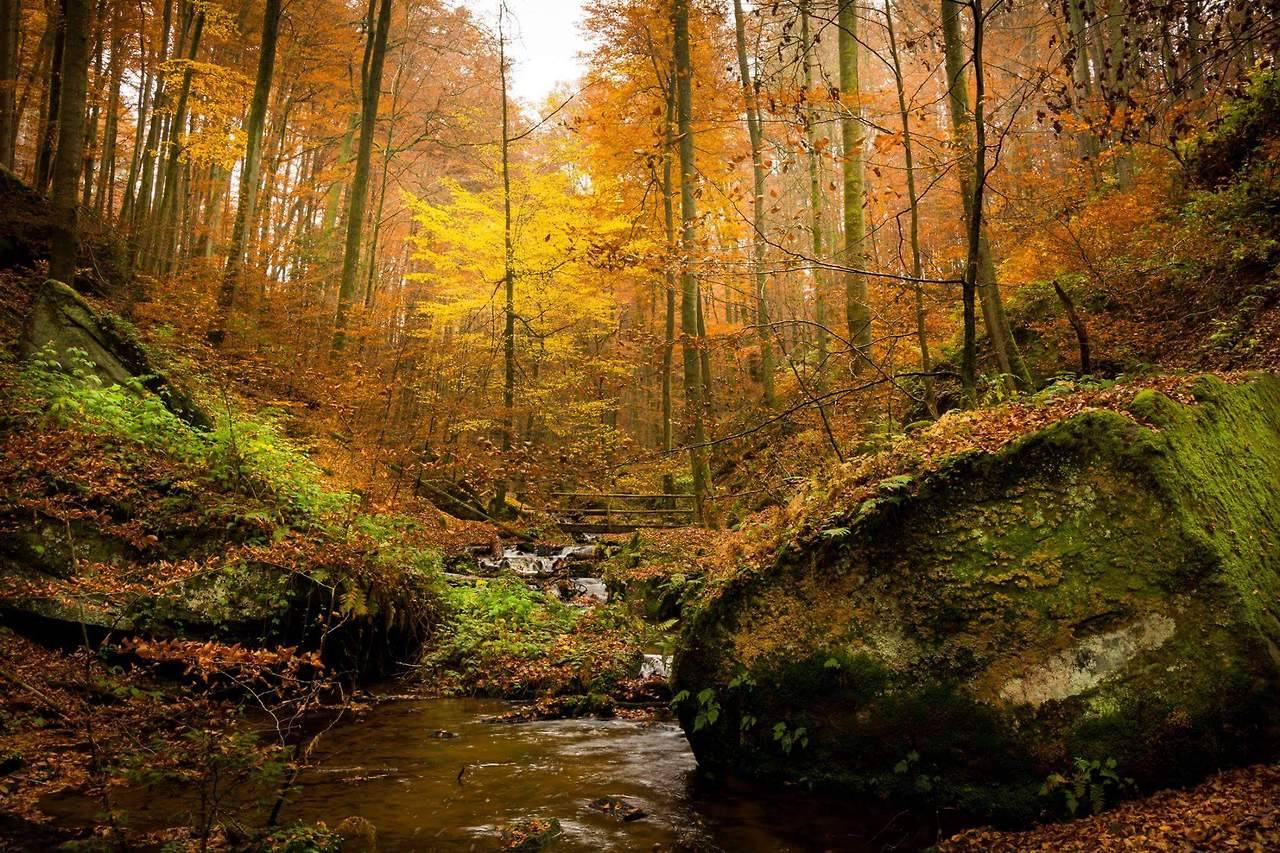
{"x":248,"y":455}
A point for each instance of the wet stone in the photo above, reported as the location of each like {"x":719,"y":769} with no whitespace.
{"x":618,"y":808}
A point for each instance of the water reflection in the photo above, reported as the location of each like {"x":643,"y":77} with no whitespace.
{"x":424,"y":791}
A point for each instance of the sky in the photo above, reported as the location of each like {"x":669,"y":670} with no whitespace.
{"x":545,"y":43}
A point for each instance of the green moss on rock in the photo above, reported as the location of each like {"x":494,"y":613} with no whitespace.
{"x":1103,"y":588}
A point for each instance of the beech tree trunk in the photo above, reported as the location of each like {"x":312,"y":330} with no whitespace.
{"x":668,"y":218}
{"x":693,"y":379}
{"x":10,"y":21}
{"x":246,"y":203}
{"x":856,"y":311}
{"x":756,"y":135}
{"x":77,"y":16}
{"x":913,"y":200}
{"x":371,"y":89}
{"x":815,"y":198}
{"x":1007,"y":356}
{"x":53,"y":95}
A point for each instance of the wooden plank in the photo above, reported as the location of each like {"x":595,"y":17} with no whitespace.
{"x":573,"y":527}
{"x":582,"y":510}
{"x":617,"y":495}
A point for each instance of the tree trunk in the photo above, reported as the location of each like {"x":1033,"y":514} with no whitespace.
{"x":917,"y":268}
{"x":693,"y":386}
{"x":371,"y":89}
{"x":857,"y":313}
{"x":110,"y":131}
{"x":10,"y":21}
{"x":668,"y":218}
{"x":249,"y":172}
{"x":71,"y":120}
{"x":815,"y":200}
{"x":508,"y":273}
{"x":95,"y":111}
{"x":968,"y":369}
{"x":53,"y":96}
{"x":1002,"y":344}
{"x":39,"y":62}
{"x":755,"y":132}
{"x":164,"y":224}
{"x":141,"y":205}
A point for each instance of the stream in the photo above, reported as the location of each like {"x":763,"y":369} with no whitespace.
{"x":399,"y":767}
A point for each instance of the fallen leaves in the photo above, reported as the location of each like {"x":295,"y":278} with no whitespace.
{"x":1236,"y":810}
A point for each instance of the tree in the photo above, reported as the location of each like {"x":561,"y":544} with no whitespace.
{"x":1009,"y":360}
{"x":755,"y":132}
{"x":57,"y":17}
{"x":249,"y":171}
{"x":508,"y":265}
{"x":371,"y":90}
{"x":74,"y":73}
{"x":815,"y":193}
{"x":693,"y":380}
{"x":10,"y":22}
{"x":857,"y":312}
{"x":913,"y":201}
{"x":979,"y":178}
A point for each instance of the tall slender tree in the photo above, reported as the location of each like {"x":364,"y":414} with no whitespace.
{"x":817,"y":241}
{"x":856,"y":311}
{"x":508,"y":266}
{"x":913,"y":200}
{"x":10,"y":24}
{"x":57,"y":17}
{"x":1007,"y":356}
{"x":375,"y":52}
{"x":756,"y":134}
{"x":250,"y":171}
{"x":77,"y":18}
{"x":689,"y":338}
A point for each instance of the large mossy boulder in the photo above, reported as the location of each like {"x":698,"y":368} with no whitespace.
{"x":67,"y":326}
{"x":1107,"y":589}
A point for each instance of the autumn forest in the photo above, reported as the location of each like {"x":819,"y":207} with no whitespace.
{"x":809,"y":424}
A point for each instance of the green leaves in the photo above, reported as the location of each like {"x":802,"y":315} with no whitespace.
{"x":1092,"y":782}
{"x":788,"y":738}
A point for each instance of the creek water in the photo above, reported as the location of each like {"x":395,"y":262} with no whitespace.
{"x":434,"y":774}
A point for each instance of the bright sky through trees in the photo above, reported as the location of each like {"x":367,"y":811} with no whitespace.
{"x":547,"y":40}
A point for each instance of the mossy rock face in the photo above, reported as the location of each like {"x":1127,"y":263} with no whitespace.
{"x":61,"y":320}
{"x":1099,"y":589}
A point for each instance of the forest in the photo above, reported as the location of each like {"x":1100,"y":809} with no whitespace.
{"x":800,"y":425}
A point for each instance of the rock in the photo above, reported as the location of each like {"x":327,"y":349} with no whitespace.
{"x":655,"y":666}
{"x":357,"y":833}
{"x":530,"y":835}
{"x":618,"y":807}
{"x":1099,"y":590}
{"x":61,"y":320}
{"x":592,"y":588}
{"x":11,"y":762}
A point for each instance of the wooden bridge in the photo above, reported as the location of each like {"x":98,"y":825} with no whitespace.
{"x":592,"y":512}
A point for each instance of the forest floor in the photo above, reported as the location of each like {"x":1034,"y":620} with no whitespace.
{"x":1234,"y":810}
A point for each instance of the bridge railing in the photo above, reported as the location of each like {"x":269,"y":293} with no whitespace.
{"x":621,"y":512}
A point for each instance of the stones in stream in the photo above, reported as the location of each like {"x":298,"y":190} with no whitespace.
{"x":530,"y":834}
{"x":618,"y":807}
{"x":655,"y":666}
{"x":562,"y":569}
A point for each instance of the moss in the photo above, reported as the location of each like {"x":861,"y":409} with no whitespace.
{"x":1134,"y":567}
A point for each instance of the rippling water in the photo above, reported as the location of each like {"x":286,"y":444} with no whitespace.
{"x":391,"y":769}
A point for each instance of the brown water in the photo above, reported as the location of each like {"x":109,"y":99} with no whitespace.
{"x":389,"y":769}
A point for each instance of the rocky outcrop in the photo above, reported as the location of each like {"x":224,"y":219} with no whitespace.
{"x":62,"y":321}
{"x":1107,"y":588}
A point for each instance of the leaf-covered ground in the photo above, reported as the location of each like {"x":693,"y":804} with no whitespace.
{"x":1235,"y":810}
